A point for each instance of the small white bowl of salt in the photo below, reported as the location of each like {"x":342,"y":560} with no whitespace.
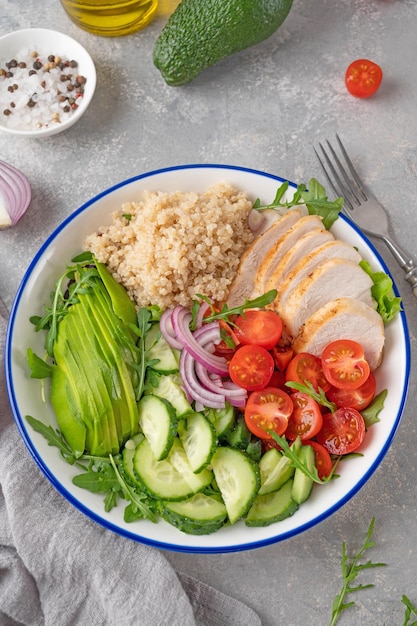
{"x":47,"y":81}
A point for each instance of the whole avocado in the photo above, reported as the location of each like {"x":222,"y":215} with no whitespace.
{"x":202,"y":32}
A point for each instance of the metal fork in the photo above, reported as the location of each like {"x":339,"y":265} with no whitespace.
{"x":361,"y":206}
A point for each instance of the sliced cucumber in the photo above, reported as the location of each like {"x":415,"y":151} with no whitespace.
{"x":159,"y":478}
{"x":199,"y":441}
{"x":158,"y":421}
{"x":268,"y":463}
{"x":129,"y":453}
{"x":237,"y":477}
{"x":240,"y":436}
{"x":276,"y":469}
{"x":254,"y":449}
{"x":272,"y":507}
{"x":178,"y":459}
{"x":198,"y":515}
{"x":223,"y":420}
{"x":303,"y":484}
{"x":166,"y":358}
{"x":170,"y":388}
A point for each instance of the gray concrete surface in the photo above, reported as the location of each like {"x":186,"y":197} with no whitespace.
{"x":262,"y":108}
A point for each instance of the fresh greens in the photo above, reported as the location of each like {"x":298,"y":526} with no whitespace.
{"x":370,"y":414}
{"x":319,"y":395}
{"x":145,"y":319}
{"x":101,"y":475}
{"x":388,"y":304}
{"x":292,"y":454}
{"x":54,"y":438}
{"x":315,"y":200}
{"x":227,"y":314}
{"x":67,"y":290}
{"x":409,"y":610}
{"x":351,"y":567}
{"x":38,"y":367}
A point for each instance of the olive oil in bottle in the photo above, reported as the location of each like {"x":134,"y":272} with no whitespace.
{"x":166,"y":7}
{"x":110,"y":18}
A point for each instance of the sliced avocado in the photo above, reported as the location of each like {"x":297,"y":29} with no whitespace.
{"x":66,"y":405}
{"x":123,"y":306}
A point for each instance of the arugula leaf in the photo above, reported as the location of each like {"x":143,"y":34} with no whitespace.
{"x":145,"y":317}
{"x":38,"y":367}
{"x":388,"y":305}
{"x":99,"y":480}
{"x":110,"y":501}
{"x":64,"y":295}
{"x":315,"y":200}
{"x":410,"y":608}
{"x":54,"y":438}
{"x":319,"y":396}
{"x":370,"y":414}
{"x":288,"y":451}
{"x":317,"y":203}
{"x":225,"y":313}
{"x":138,"y":499}
{"x":351,"y":567}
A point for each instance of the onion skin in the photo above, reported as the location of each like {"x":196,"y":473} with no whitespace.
{"x":15,"y":194}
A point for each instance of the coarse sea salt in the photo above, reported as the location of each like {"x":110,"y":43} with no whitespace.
{"x":38,"y":90}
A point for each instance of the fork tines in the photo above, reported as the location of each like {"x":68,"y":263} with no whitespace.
{"x":349,"y":187}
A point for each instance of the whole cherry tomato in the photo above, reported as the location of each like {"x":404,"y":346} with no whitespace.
{"x":363,"y":78}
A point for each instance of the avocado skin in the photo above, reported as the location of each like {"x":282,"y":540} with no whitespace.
{"x":202,"y":32}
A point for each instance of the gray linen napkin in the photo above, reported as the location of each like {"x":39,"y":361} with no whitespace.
{"x":58,"y":568}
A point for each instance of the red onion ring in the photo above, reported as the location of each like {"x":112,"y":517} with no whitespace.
{"x":201,"y":371}
{"x":193,"y":387}
{"x":180,"y":322}
{"x":204,"y":307}
{"x":16,"y":192}
{"x":165,"y":324}
{"x":220,"y":386}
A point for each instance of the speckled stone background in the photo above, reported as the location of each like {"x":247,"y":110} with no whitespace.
{"x":262,"y":108}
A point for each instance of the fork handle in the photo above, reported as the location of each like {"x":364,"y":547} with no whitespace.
{"x":405,"y":262}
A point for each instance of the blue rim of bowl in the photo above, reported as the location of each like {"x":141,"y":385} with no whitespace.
{"x":136,"y":536}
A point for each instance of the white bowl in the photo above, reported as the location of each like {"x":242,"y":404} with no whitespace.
{"x":26,"y":394}
{"x":47,"y":42}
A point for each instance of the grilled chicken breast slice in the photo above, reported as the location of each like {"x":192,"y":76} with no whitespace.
{"x":335,"y":249}
{"x":275,"y":253}
{"x":309,"y":242}
{"x":244,"y":282}
{"x":345,"y":318}
{"x":336,"y":278}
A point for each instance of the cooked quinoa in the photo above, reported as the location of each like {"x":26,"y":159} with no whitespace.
{"x":169,"y":247}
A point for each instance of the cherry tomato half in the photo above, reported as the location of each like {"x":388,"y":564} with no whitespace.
{"x":355,"y":398}
{"x":251,"y":367}
{"x":282,"y":355}
{"x":268,"y":409}
{"x":344,"y":364}
{"x":363,"y":78}
{"x":323,"y":460}
{"x":229,"y":342}
{"x":306,"y":419}
{"x":342,"y":431}
{"x":278,"y":380}
{"x":259,"y":327}
{"x":305,"y":367}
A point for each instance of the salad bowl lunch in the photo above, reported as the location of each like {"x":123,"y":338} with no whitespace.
{"x":26,"y":397}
